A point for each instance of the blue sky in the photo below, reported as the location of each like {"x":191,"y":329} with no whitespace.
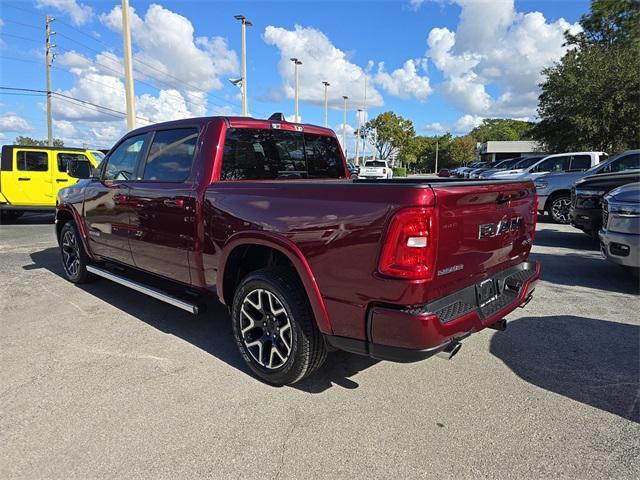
{"x":446,"y":64}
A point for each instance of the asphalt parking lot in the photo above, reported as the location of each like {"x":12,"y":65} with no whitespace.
{"x":102,"y":382}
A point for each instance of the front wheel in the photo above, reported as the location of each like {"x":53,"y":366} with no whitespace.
{"x":74,"y":258}
{"x":560,"y":208}
{"x":274,"y":327}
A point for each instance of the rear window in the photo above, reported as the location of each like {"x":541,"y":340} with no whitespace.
{"x":32,"y":161}
{"x":171,"y":155}
{"x":257,"y":154}
{"x":527,"y":162}
{"x":375,"y":164}
{"x":63,"y":160}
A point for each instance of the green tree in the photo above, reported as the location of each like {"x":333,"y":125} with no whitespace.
{"x":461,"y":150}
{"x":388,"y":133}
{"x":590,"y":100}
{"x":31,"y":142}
{"x":501,"y":129}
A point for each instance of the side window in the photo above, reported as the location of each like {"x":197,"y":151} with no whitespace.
{"x":554,"y":164}
{"x":171,"y":155}
{"x":580,"y":162}
{"x":28,"y":161}
{"x":628,"y":162}
{"x":63,"y":160}
{"x":323,"y":157}
{"x":262,"y":155}
{"x":121,"y":164}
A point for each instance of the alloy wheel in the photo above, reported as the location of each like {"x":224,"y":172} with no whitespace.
{"x":70,"y":253}
{"x":560,"y":209}
{"x":266,"y":329}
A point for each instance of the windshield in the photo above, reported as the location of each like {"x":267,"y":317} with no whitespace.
{"x":375,"y":163}
{"x":99,"y":156}
{"x":527,"y":162}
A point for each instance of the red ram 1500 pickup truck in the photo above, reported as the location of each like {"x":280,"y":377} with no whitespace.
{"x":263,"y":213}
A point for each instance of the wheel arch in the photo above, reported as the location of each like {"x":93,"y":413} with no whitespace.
{"x":65,"y":213}
{"x":249,"y":251}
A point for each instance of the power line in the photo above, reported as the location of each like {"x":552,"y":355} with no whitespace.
{"x":21,"y":24}
{"x":20,"y":38}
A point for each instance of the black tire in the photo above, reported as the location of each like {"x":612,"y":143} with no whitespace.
{"x":307,"y":349}
{"x":74,"y":257}
{"x":559,"y":208}
{"x":353,"y":176}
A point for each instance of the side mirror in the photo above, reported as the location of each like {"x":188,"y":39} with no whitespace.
{"x":79,"y":169}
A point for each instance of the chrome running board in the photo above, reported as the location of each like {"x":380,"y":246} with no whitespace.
{"x":139,"y":287}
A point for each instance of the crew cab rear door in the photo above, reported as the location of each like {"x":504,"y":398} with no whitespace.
{"x":482,"y":228}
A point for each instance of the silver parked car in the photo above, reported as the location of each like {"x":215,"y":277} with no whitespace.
{"x":620,"y":234}
{"x":554,"y":189}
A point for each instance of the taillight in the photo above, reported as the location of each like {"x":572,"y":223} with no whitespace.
{"x":409,"y":251}
{"x":384,"y":170}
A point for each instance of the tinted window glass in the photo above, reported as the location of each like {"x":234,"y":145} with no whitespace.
{"x":375,"y":163}
{"x":121,"y":164}
{"x":323,"y":157}
{"x":628,"y":162}
{"x":554,"y":164}
{"x":580,"y":162}
{"x":526,"y":162}
{"x":63,"y":159}
{"x":171,"y":155}
{"x":33,"y":161}
{"x":276,"y":154}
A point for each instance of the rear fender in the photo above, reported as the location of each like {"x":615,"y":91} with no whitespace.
{"x":293,"y":253}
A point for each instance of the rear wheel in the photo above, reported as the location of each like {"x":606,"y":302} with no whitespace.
{"x":559,"y":208}
{"x":74,"y":258}
{"x":274,"y":327}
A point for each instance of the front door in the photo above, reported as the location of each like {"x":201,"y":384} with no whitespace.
{"x":163,"y":217}
{"x":29,"y":182}
{"x":60,"y":177}
{"x":108,"y":204}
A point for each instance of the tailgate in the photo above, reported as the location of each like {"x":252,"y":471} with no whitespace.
{"x":372,"y":171}
{"x":482,"y":228}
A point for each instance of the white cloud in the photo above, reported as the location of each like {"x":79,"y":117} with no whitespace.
{"x":498,"y":46}
{"x":415,"y":4}
{"x":321,"y":60}
{"x":404,"y":82}
{"x":466,"y":123}
{"x":11,"y":122}
{"x":434,"y":127}
{"x":78,"y":12}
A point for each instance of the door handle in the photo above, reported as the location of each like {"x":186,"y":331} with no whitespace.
{"x":23,"y":179}
{"x":60,"y":180}
{"x":170,"y":202}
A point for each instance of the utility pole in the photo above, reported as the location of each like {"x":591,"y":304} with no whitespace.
{"x":364,"y":119}
{"x":344,"y":126}
{"x":128,"y":67}
{"x":326,"y":104}
{"x":243,"y":88}
{"x":49,"y":56}
{"x":437,"y":138}
{"x":296,"y":62}
{"x":358,"y":137}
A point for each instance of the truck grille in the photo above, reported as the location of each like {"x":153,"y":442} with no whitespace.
{"x":605,"y":213}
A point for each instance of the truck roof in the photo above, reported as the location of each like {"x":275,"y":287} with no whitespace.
{"x":240,"y":122}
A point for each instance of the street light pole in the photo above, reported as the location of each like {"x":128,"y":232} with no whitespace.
{"x":296,"y":62}
{"x":326,"y":104}
{"x":128,"y":67}
{"x":437,"y":138}
{"x":344,"y":126}
{"x":358,"y":137}
{"x":243,"y":88}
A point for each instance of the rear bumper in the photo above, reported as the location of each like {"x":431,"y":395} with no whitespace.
{"x":408,"y":335}
{"x":620,"y":248}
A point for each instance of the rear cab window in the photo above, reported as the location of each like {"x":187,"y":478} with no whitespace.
{"x":32,"y":161}
{"x":274,"y":154}
{"x":375,"y":164}
{"x":170,"y":155}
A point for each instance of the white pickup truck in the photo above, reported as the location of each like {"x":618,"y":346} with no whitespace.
{"x":376,"y":169}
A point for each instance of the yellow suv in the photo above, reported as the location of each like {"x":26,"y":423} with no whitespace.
{"x":30,"y":177}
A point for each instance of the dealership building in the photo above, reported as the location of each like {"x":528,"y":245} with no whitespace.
{"x":499,"y":150}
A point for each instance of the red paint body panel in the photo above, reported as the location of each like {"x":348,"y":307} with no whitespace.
{"x":332,"y":231}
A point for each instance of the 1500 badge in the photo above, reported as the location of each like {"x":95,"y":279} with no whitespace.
{"x":487,"y":230}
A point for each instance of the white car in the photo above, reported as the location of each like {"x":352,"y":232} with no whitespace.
{"x":376,"y":169}
{"x":558,"y":162}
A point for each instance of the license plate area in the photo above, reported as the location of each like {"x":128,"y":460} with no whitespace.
{"x":486,"y":292}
